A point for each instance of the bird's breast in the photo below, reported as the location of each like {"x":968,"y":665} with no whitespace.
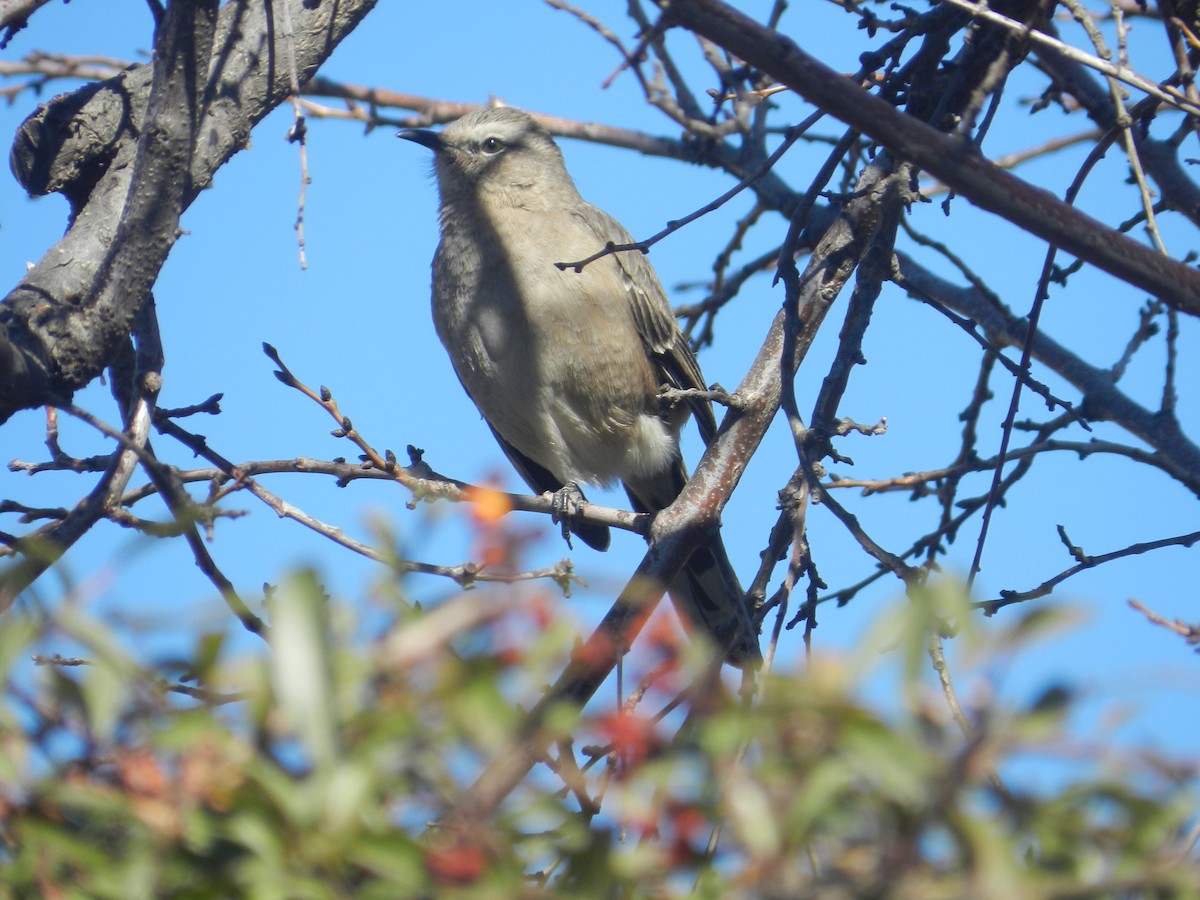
{"x":551,"y":356}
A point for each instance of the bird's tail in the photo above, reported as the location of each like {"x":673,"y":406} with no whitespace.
{"x":706,"y":591}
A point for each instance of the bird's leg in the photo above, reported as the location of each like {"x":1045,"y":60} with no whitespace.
{"x":565,"y":505}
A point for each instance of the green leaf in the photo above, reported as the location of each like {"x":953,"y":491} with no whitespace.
{"x":301,"y":668}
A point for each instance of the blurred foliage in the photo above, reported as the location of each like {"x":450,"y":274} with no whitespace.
{"x":319,"y":769}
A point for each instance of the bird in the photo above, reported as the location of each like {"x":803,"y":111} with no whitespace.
{"x":566,"y":365}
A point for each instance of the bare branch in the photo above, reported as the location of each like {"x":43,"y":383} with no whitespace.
{"x":1119,"y":72}
{"x":955,"y":162}
{"x":1190,"y":633}
{"x":60,"y":327}
{"x":1008,"y":598}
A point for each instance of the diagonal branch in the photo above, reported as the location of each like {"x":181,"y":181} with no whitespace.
{"x":117,"y":154}
{"x":954,"y":160}
{"x":1103,"y":400}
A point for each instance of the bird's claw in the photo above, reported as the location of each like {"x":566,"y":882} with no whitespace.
{"x":566,"y":504}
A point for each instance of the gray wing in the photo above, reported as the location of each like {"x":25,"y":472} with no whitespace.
{"x":674,"y":361}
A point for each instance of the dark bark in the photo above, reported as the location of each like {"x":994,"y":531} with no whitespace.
{"x":954,"y":160}
{"x":130,"y":164}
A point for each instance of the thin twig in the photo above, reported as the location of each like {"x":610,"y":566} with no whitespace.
{"x":790,"y":137}
{"x":1120,"y":73}
{"x":1008,"y":598}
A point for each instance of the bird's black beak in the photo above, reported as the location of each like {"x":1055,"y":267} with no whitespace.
{"x":430,"y":139}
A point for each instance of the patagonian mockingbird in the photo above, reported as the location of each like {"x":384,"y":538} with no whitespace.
{"x":566,"y":366}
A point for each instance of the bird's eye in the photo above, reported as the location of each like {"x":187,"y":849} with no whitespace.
{"x":492,"y":145}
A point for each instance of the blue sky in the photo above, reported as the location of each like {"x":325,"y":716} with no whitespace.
{"x":358,"y":321}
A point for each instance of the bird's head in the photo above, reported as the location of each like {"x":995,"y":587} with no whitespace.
{"x":500,"y":150}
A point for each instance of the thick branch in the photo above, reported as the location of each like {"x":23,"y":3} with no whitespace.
{"x":1102,"y":398}
{"x":14,"y":16}
{"x":1161,"y":158}
{"x":60,"y":327}
{"x":954,"y":160}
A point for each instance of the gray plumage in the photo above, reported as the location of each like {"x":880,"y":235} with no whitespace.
{"x":566,"y":366}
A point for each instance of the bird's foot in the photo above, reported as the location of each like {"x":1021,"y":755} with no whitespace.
{"x":566,"y":504}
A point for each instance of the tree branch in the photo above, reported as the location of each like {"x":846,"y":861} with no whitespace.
{"x":114,"y":154}
{"x":954,"y":160}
